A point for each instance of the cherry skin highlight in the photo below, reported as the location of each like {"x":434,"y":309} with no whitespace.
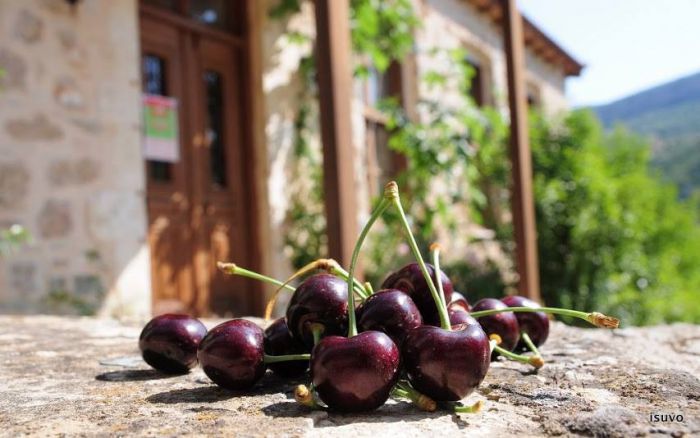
{"x":321,"y":300}
{"x":355,"y":374}
{"x":458,"y":300}
{"x":232,"y":354}
{"x":535,"y":324}
{"x":389,"y":311}
{"x":458,"y":316}
{"x":446,"y":365}
{"x":169,"y":342}
{"x":410,"y":280}
{"x":504,"y":325}
{"x":279,"y":342}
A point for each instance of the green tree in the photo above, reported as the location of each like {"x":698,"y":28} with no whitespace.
{"x":611,"y":235}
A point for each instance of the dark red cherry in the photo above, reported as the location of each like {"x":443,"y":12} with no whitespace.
{"x":410,"y":280}
{"x":320,"y":300}
{"x":389,"y":311}
{"x":355,"y":374}
{"x":504,"y":325}
{"x":459,"y":316}
{"x":279,"y":342}
{"x":535,"y":324}
{"x":169,"y":342}
{"x":232,"y":354}
{"x":446,"y":365}
{"x":458,"y":300}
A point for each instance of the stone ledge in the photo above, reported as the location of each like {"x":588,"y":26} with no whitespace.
{"x":595,"y":383}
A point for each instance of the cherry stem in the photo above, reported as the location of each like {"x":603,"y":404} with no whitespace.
{"x":595,"y":318}
{"x":305,"y":396}
{"x":352,"y":325}
{"x":536,"y":361}
{"x":369,"y":288}
{"x":358,"y":287}
{"x":531,"y":345}
{"x":393,"y":195}
{"x":287,"y":357}
{"x":473,"y":409}
{"x":435,"y":250}
{"x":405,"y":390}
{"x":493,"y":343}
{"x":233,"y":269}
{"x":317,"y":330}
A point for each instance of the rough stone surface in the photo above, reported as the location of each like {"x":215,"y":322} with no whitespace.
{"x":35,"y":128}
{"x":595,"y":383}
{"x":28,"y":27}
{"x":14,"y":179}
{"x":55,"y":219}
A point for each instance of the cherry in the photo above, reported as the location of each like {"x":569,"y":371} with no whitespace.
{"x":410,"y":279}
{"x":169,"y":342}
{"x":446,"y":365}
{"x":459,"y":316}
{"x":458,"y":300}
{"x":279,"y":341}
{"x":232,"y":354}
{"x":355,"y":374}
{"x":389,"y":311}
{"x":319,"y":304}
{"x":535,"y":324}
{"x":504,"y":325}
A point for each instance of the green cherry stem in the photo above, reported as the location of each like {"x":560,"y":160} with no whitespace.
{"x":359,"y":288}
{"x":435,"y":251}
{"x":595,"y":318}
{"x":287,"y":357}
{"x":531,"y":345}
{"x":536,"y":361}
{"x":369,"y":288}
{"x":378,"y":211}
{"x":391,"y":192}
{"x":317,"y":330}
{"x":473,"y":409}
{"x":233,"y":269}
{"x":423,"y":402}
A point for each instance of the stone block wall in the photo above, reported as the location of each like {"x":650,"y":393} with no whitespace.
{"x":71,"y":169}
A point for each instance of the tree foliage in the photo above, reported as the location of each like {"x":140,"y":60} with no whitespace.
{"x":611,"y":235}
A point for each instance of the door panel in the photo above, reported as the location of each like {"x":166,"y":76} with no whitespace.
{"x":196,"y":216}
{"x":168,"y":194}
{"x":222,"y":178}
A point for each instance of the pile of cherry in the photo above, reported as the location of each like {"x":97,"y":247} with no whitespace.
{"x":416,"y":338}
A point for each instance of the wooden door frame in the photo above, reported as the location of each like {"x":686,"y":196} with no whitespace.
{"x":254,"y":147}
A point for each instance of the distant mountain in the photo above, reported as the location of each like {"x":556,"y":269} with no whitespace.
{"x":670,"y":115}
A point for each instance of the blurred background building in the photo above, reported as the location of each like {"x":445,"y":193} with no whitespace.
{"x":131,"y":199}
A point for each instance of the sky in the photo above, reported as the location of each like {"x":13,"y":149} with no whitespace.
{"x":626,"y":45}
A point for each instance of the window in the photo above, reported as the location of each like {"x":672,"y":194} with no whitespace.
{"x":533,"y":95}
{"x":383,"y":164}
{"x":476,"y":83}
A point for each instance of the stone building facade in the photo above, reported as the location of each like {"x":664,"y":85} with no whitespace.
{"x":72,"y":169}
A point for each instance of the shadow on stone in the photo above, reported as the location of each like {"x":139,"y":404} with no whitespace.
{"x":202,"y":394}
{"x":212,"y":393}
{"x":389,"y":413}
{"x":133,"y":376}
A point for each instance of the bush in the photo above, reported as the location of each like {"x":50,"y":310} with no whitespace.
{"x":611,"y":235}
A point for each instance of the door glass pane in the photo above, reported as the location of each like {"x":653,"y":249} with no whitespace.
{"x":215,"y":13}
{"x":154,"y":82}
{"x":215,"y":127}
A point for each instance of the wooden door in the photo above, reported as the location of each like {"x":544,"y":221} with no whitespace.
{"x":195,"y":205}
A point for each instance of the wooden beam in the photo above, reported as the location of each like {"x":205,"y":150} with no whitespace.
{"x":333,"y":61}
{"x":522,"y":202}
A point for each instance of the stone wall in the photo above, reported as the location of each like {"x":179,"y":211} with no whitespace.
{"x":71,"y":169}
{"x":453,"y":23}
